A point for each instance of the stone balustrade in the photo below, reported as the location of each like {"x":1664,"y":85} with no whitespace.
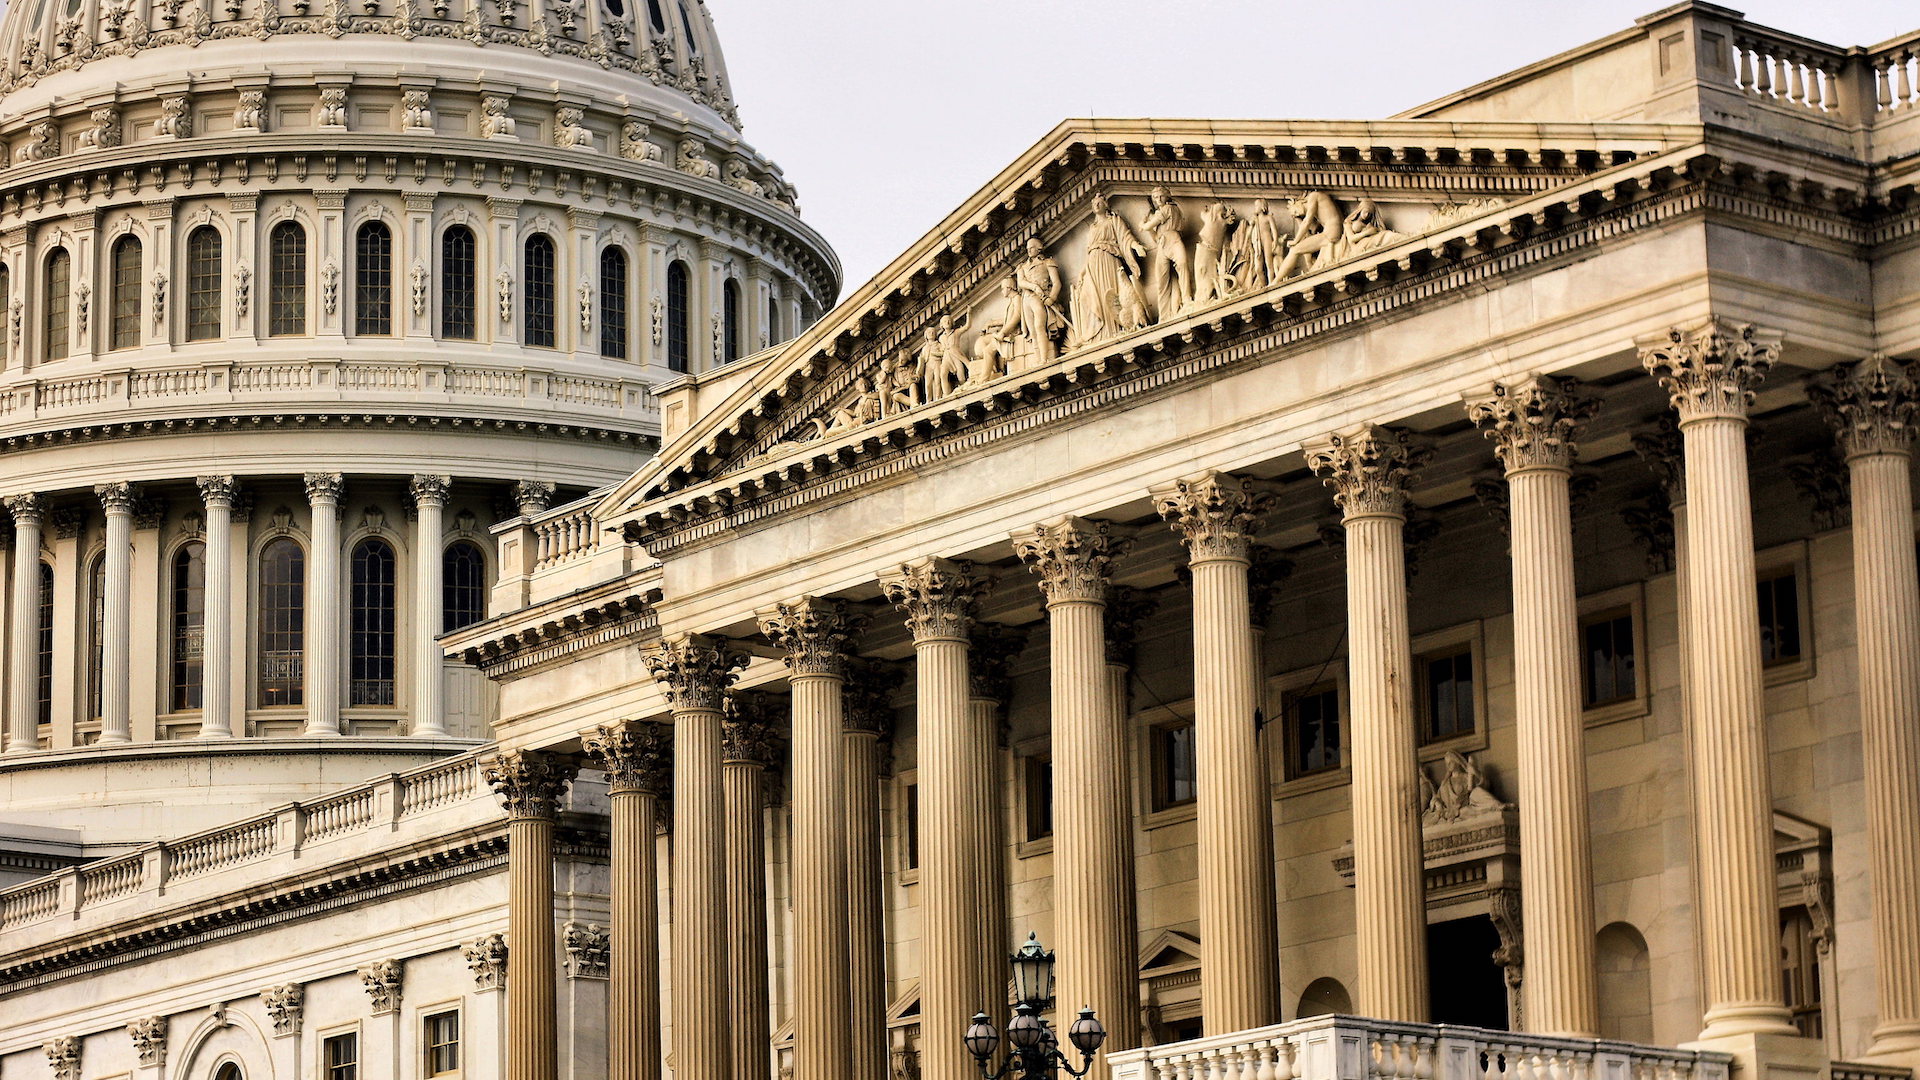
{"x":1352,"y":1048}
{"x":565,"y":534}
{"x":1896,"y":81}
{"x":372,"y":809}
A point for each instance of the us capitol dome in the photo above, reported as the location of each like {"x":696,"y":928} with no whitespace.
{"x":304,"y":299}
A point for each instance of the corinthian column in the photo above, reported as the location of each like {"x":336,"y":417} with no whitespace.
{"x":1214,"y":513}
{"x":1369,"y":469}
{"x":1872,"y":406}
{"x":814,"y":634}
{"x":429,"y":700}
{"x":939,"y":597}
{"x":869,"y":718}
{"x":1709,"y":373}
{"x":216,"y":626}
{"x":747,"y":743}
{"x":695,"y":672}
{"x":530,"y":783}
{"x":1093,"y":897}
{"x":323,"y":606}
{"x":1534,"y":422}
{"x":638,"y":758}
{"x":990,"y":657}
{"x":116,"y":725}
{"x":23,"y":682}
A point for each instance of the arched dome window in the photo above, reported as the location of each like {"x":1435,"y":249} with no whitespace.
{"x":463,"y":586}
{"x":539,"y":276}
{"x":189,"y":618}
{"x":58,"y":286}
{"x":371,"y":629}
{"x":459,"y":273}
{"x":287,"y":291}
{"x":373,"y":279}
{"x":203,"y":284}
{"x":125,"y":332}
{"x":229,"y":1071}
{"x":283,"y":624}
{"x":679,"y":332}
{"x":686,"y":30}
{"x":773,"y":320}
{"x":730,"y":320}
{"x":613,"y":303}
{"x":43,"y":675}
{"x":96,"y":633}
{"x":656,"y":16}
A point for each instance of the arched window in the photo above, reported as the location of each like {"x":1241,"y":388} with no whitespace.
{"x":189,"y":624}
{"x":679,"y":330}
{"x":283,"y":623}
{"x":370,"y":635}
{"x":43,"y":679}
{"x":373,"y":279}
{"x":463,"y":586}
{"x":773,"y":320}
{"x":58,"y":286}
{"x":96,"y":632}
{"x":730,"y":319}
{"x":657,"y":17}
{"x":613,"y":303}
{"x":203,"y":284}
{"x":539,"y":274}
{"x":125,"y":333}
{"x":229,"y":1071}
{"x":287,"y":291}
{"x":459,"y":270}
{"x":686,"y":29}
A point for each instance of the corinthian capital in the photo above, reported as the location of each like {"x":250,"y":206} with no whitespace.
{"x":867,"y":706}
{"x":323,"y":487}
{"x":750,"y":732}
{"x":1073,"y":556}
{"x":637,"y":756}
{"x":218,"y":490}
{"x":939,"y":596}
{"x":695,"y":670}
{"x":1214,"y":513}
{"x":115,"y":498}
{"x":1711,"y":369}
{"x":428,"y":489}
{"x":1533,"y":421}
{"x":1871,"y":405}
{"x":815,"y":633}
{"x":1369,"y":468}
{"x":529,"y":782}
{"x":1126,"y":610}
{"x":27,"y":509}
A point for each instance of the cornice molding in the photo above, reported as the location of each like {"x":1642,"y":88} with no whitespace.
{"x":566,"y":636}
{"x":287,"y":420}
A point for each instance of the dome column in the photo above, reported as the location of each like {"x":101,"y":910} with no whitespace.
{"x":530,"y":783}
{"x":23,"y":660}
{"x":216,"y":627}
{"x":1369,"y":468}
{"x":116,"y":725}
{"x":323,"y":606}
{"x":429,"y":700}
{"x":638,"y":759}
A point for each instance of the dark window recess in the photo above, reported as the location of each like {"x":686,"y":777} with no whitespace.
{"x":126,"y":294}
{"x":1449,"y":695}
{"x":458,"y":274}
{"x":1779,"y":618}
{"x":283,"y":624}
{"x":371,"y":633}
{"x":730,"y":319}
{"x":679,"y":317}
{"x":1174,"y":768}
{"x":463,"y":586}
{"x":539,"y":276}
{"x":53,"y":322}
{"x":96,"y":634}
{"x":203,"y":284}
{"x":1312,"y":720}
{"x":373,"y":279}
{"x":1608,"y":670}
{"x":613,"y":303}
{"x":911,"y":828}
{"x":189,"y":623}
{"x":443,"y":1043}
{"x":1038,"y":779}
{"x":287,"y":291}
{"x":43,"y":680}
{"x":341,"y":1054}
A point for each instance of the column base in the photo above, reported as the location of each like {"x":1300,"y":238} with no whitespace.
{"x":214,"y":735}
{"x":111,"y":740}
{"x":1895,"y":1044}
{"x":1769,"y":1056}
{"x":322,"y":732}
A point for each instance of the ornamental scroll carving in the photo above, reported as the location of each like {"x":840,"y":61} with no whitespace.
{"x":331,"y":111}
{"x":1072,"y":556}
{"x":816,"y":634}
{"x":1369,"y":468}
{"x":382,"y":980}
{"x":589,"y":949}
{"x":487,"y":960}
{"x":1710,"y":370}
{"x":939,"y":596}
{"x":1533,"y":421}
{"x":1871,"y":405}
{"x":149,"y":1035}
{"x":530,"y":783}
{"x":286,"y":1006}
{"x":695,"y":670}
{"x":637,"y":756}
{"x":63,"y":1057}
{"x":1214,"y":513}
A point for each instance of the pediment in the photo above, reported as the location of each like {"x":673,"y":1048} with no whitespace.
{"x":1168,"y":952}
{"x":1106,"y":241}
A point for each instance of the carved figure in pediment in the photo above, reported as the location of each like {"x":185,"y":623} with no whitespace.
{"x":1168,"y":260}
{"x":1364,"y":230}
{"x":1041,"y":319}
{"x":1265,"y":246}
{"x":1318,"y":228}
{"x":863,"y":409}
{"x":1210,"y":269}
{"x":989,"y":359}
{"x":942,"y":363}
{"x":1461,"y":792}
{"x":1107,"y":299}
{"x":899,"y":385}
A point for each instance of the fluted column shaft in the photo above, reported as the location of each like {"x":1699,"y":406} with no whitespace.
{"x":1369,"y":468}
{"x":866,"y":932}
{"x":323,"y":607}
{"x":696,"y":672}
{"x":939,"y":597}
{"x":748,"y":750}
{"x":638,"y":761}
{"x":1873,"y":407}
{"x":116,"y":725}
{"x":429,"y":699}
{"x":1534,"y":421}
{"x":23,"y":714}
{"x":1709,"y":374}
{"x":1093,"y":894}
{"x":1240,"y":979}
{"x":531,"y":784}
{"x":990,"y":658}
{"x":216,"y":627}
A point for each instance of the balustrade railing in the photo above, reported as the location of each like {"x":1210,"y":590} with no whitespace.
{"x":1354,"y":1048}
{"x":1896,"y":74}
{"x":1788,"y":74}
{"x":567,"y":533}
{"x":367,"y":807}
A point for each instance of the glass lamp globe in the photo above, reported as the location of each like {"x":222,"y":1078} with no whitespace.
{"x":1025,"y":1031}
{"x":1033,"y":971}
{"x":1087,"y":1032}
{"x":981,"y":1037}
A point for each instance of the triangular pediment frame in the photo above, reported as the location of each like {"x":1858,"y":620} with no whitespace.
{"x":776,"y":429}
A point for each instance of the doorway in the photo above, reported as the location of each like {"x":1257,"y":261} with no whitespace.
{"x":1464,"y":985}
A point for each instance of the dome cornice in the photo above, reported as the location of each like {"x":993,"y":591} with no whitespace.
{"x":309,"y":420}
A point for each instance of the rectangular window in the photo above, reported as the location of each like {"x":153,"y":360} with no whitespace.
{"x":126,"y":293}
{"x":287,"y":282}
{"x":1174,"y":769}
{"x":1448,"y":688}
{"x":1037,"y":775}
{"x":911,"y":827}
{"x":1800,"y":971}
{"x":341,"y":1055}
{"x":443,"y":1043}
{"x":1779,"y":617}
{"x":1607,"y":667}
{"x":1312,"y":724}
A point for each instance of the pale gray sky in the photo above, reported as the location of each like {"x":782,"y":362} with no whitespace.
{"x":890,"y":113}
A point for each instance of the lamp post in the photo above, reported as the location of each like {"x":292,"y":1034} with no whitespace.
{"x":1035,"y":1051}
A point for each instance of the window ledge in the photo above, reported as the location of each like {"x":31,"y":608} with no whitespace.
{"x":1027,"y":849}
{"x":1172,"y":815}
{"x":910,"y":877}
{"x":1614,"y":712}
{"x":1790,"y":671}
{"x":1320,"y":781}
